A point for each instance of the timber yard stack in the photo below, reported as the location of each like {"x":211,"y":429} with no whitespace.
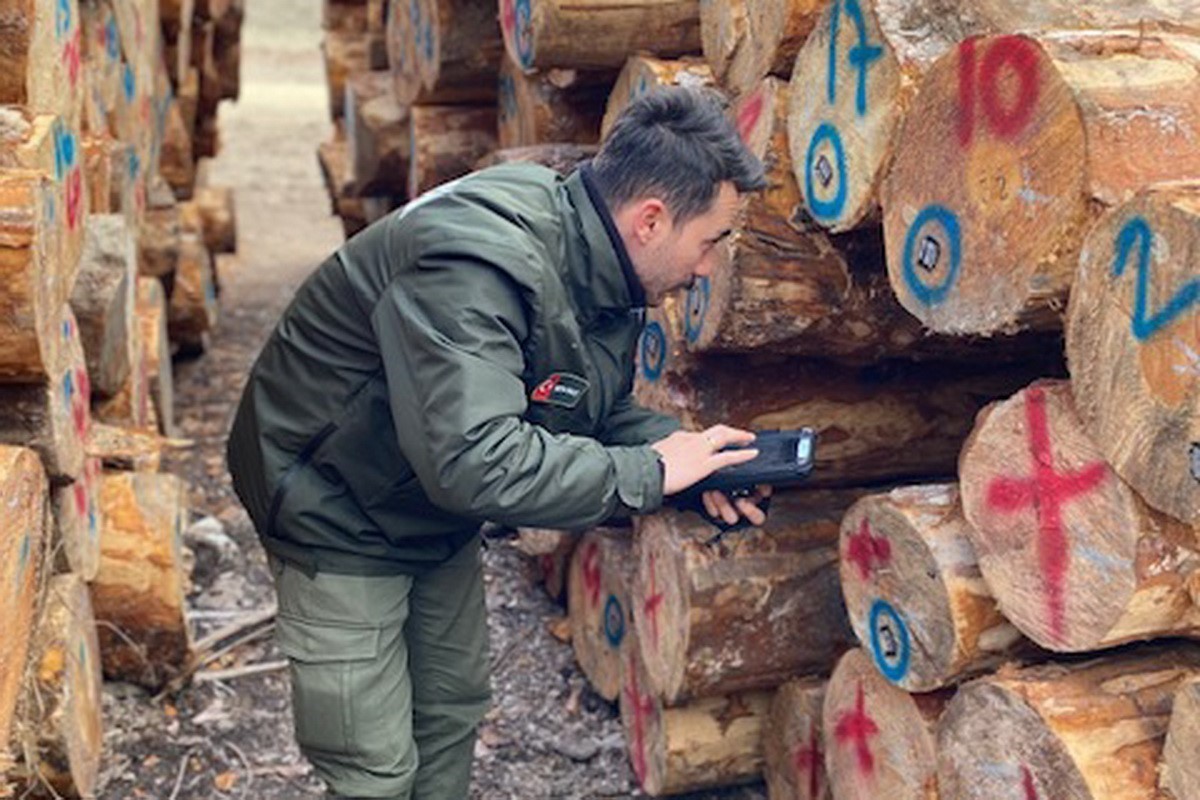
{"x":969,"y":275}
{"x":103,"y":275}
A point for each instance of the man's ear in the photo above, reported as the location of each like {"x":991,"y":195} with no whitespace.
{"x":650,"y":219}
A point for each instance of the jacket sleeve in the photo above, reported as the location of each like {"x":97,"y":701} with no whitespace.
{"x":630,"y":424}
{"x":450,"y":334}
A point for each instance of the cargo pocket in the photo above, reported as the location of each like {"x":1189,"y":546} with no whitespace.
{"x":330,"y":668}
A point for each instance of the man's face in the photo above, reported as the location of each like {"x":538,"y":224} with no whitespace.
{"x":667,"y":256}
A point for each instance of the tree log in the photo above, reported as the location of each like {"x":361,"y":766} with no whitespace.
{"x":138,"y":592}
{"x":159,"y":240}
{"x":344,"y":15}
{"x":1133,"y":346}
{"x":151,"y":309}
{"x":1180,"y":771}
{"x":218,"y":213}
{"x":187,"y":95}
{"x":98,"y":178}
{"x":554,"y":105}
{"x":77,"y":521}
{"x":596,"y":34}
{"x":103,"y":302}
{"x":444,"y":51}
{"x":23,"y":526}
{"x":376,"y":136}
{"x":914,"y":592}
{"x":446,"y":142}
{"x":641,"y":73}
{"x":713,"y":741}
{"x":176,"y":163}
{"x":29,"y":238}
{"x":883,"y":422}
{"x":1054,"y":129}
{"x":335,"y":171}
{"x":41,"y":58}
{"x":794,"y":742}
{"x":62,"y":708}
{"x":598,"y":602}
{"x":345,"y":55}
{"x":126,"y":448}
{"x":1075,"y":558}
{"x":552,"y":553}
{"x":882,"y":740}
{"x":49,"y":145}
{"x":562,"y":158}
{"x":192,"y":313}
{"x":1088,"y":731}
{"x":102,"y":67}
{"x":51,"y":416}
{"x":746,"y":40}
{"x":743,"y":611}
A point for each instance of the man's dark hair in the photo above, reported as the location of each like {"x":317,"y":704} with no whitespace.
{"x":677,"y":143}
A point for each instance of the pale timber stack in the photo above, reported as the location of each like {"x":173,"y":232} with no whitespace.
{"x":106,"y":273}
{"x":951,"y":189}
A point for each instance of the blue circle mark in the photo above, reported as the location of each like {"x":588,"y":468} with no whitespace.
{"x":614,"y":621}
{"x":93,"y":523}
{"x":933,"y":215}
{"x":523,"y":32}
{"x":112,"y":39}
{"x":62,"y":18}
{"x":697,"y":307}
{"x":68,"y":386}
{"x":826,"y":209}
{"x":653,"y":351}
{"x":66,"y":329}
{"x":129,"y":82}
{"x":890,"y":657}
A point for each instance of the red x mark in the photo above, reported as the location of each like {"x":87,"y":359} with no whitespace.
{"x":867,"y":550}
{"x":591,"y":573}
{"x":1047,"y":491}
{"x":858,"y":726}
{"x":810,"y":760}
{"x":1027,"y":784}
{"x":642,"y":706}
{"x":652,"y":603}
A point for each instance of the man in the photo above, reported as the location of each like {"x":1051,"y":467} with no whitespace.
{"x":470,"y":358}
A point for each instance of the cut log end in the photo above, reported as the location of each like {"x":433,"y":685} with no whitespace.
{"x":794,"y":742}
{"x":1181,"y":769}
{"x":640,"y":74}
{"x":599,"y":606}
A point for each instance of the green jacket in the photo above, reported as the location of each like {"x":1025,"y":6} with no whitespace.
{"x":468,"y":358}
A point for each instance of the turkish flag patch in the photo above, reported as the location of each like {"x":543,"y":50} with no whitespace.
{"x":563,"y":389}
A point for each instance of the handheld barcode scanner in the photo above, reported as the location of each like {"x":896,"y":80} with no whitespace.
{"x":784,"y":458}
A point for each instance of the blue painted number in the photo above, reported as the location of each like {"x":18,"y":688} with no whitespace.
{"x":1137,"y":231}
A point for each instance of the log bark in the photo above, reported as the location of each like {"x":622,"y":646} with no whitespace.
{"x":794,"y":742}
{"x":77,"y":521}
{"x":29,"y":238}
{"x":1133,"y":346}
{"x":598,"y":603}
{"x":376,"y":136}
{"x":596,"y":34}
{"x":335,"y":170}
{"x":883,"y":422}
{"x":187,"y":95}
{"x":1075,"y":558}
{"x":554,"y":105}
{"x":103,"y":302}
{"x":62,"y":708}
{"x":52,"y":415}
{"x":139,"y":588}
{"x":41,"y":57}
{"x":218,"y":213}
{"x":914,"y":592}
{"x":1180,"y":772}
{"x":1086,"y":731}
{"x":48,"y":144}
{"x":444,"y":51}
{"x":192,"y":313}
{"x":882,"y":740}
{"x":446,"y":142}
{"x":126,"y":448}
{"x":743,"y":611}
{"x":713,"y":741}
{"x":562,"y":158}
{"x":642,"y":73}
{"x":23,"y":525}
{"x":745,"y":41}
{"x":1055,"y":129}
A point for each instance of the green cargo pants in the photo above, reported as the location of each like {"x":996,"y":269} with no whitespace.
{"x":389,"y":676}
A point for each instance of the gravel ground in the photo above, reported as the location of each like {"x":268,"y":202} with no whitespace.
{"x":547,"y":735}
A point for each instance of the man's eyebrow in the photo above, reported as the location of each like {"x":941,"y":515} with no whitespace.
{"x":721,"y":235}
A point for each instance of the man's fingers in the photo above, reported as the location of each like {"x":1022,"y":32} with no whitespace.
{"x":731,"y":457}
{"x":724,"y":436}
{"x":710,"y":507}
{"x":751,"y":511}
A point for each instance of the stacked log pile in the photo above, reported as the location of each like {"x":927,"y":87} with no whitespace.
{"x":950,"y":193}
{"x":105,"y":275}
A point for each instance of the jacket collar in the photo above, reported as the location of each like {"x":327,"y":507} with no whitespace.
{"x":601,"y":275}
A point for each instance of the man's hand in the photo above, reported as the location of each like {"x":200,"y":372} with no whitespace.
{"x":689,"y":457}
{"x":718,"y":505}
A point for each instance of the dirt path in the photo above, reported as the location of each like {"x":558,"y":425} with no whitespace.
{"x":548,"y":735}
